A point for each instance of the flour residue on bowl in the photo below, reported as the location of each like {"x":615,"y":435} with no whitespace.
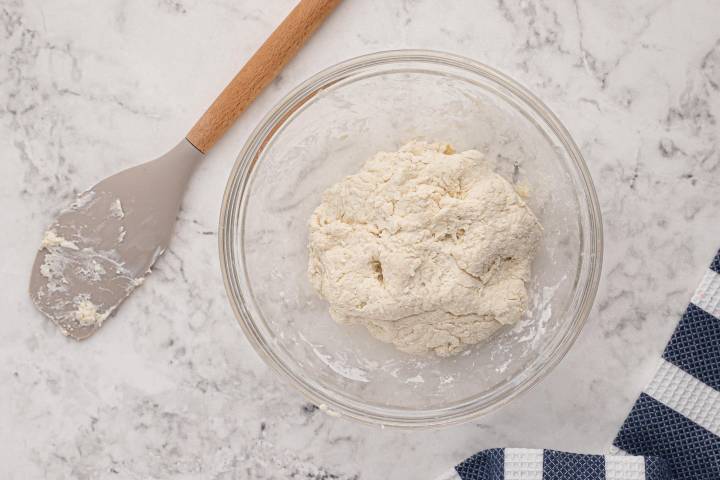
{"x":539,"y":314}
{"x":338,"y":366}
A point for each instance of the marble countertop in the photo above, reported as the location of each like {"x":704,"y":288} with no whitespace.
{"x":170,"y":387}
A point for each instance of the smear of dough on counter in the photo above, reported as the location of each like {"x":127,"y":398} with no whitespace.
{"x":429,"y":249}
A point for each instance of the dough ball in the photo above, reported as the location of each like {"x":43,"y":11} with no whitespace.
{"x":429,"y":249}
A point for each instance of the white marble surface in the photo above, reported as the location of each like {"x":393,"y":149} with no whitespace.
{"x":169,"y":387}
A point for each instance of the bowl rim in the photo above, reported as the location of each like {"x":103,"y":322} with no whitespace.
{"x":241,"y":174}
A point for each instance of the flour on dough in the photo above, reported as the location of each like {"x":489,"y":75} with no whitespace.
{"x":429,"y":249}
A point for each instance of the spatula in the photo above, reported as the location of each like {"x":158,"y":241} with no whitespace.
{"x":100,"y":248}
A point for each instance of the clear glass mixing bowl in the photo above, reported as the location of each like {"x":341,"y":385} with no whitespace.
{"x":324,"y":130}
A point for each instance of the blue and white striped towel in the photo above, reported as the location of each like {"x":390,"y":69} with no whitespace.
{"x":672,"y":431}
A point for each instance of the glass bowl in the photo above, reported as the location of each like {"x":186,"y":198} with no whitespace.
{"x":324,"y":130}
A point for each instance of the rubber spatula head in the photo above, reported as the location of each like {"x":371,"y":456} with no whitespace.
{"x":100,"y":248}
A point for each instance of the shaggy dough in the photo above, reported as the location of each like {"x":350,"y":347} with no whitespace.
{"x":428,"y":248}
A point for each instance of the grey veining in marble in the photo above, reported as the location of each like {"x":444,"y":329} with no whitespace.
{"x":170,"y":388}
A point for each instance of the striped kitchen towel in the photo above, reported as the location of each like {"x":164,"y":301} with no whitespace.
{"x":672,"y":431}
{"x":537,"y":464}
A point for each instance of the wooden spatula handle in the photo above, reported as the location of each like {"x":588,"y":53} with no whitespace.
{"x":259,"y":71}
